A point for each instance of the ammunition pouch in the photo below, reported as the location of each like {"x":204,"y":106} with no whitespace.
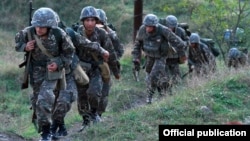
{"x":58,"y":75}
{"x":85,"y":66}
{"x":55,"y":75}
{"x":80,"y":75}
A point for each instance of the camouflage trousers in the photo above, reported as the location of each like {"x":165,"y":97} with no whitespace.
{"x":64,"y":99}
{"x":90,"y":94}
{"x":156,"y":74}
{"x":44,"y":96}
{"x":173,"y":69}
{"x":104,"y":98}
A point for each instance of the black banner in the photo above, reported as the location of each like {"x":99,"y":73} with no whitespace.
{"x":202,"y":132}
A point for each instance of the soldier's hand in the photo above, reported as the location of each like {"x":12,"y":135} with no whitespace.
{"x":117,"y":76}
{"x":52,"y":67}
{"x":30,"y":45}
{"x":183,"y":59}
{"x":105,"y":56}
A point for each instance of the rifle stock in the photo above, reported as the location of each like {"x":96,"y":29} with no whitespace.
{"x":136,"y":70}
{"x":25,"y":83}
{"x":22,"y":64}
{"x":26,"y":63}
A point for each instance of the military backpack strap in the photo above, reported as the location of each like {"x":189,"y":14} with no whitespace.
{"x":43,"y":49}
{"x":72,"y":34}
{"x":58,"y":35}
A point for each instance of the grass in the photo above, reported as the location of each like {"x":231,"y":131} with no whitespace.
{"x":219,"y":98}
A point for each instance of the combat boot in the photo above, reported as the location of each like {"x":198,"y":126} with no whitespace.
{"x":96,"y":118}
{"x":53,"y":129}
{"x":46,"y":134}
{"x":85,"y":123}
{"x":150,"y":96}
{"x":62,"y":130}
{"x":149,"y":99}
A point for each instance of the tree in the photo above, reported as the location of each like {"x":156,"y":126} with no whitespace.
{"x":213,"y":17}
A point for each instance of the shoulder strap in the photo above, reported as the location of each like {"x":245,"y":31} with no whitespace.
{"x":43,"y":49}
{"x":58,"y":35}
{"x":71,"y":33}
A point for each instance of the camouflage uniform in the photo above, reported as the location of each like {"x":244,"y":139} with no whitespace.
{"x":119,"y":48}
{"x":65,"y":98}
{"x":90,"y":95}
{"x":236,"y":58}
{"x":200,"y":57}
{"x":43,"y":98}
{"x":173,"y":59}
{"x":154,"y":45}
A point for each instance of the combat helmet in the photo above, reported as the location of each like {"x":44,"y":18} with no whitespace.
{"x":89,"y":12}
{"x":234,"y":53}
{"x":194,"y":38}
{"x":171,"y":21}
{"x":44,"y":17}
{"x":57,"y":18}
{"x":151,"y":20}
{"x":102,"y":16}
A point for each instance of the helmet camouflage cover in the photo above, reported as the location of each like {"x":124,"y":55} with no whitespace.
{"x":151,"y":20}
{"x":89,"y":12}
{"x":44,"y":17}
{"x":171,"y":21}
{"x":102,"y":16}
{"x":234,"y":53}
{"x":194,"y":38}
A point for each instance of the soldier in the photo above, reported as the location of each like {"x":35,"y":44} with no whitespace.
{"x":200,"y":58}
{"x":153,"y":39}
{"x":50,"y":60}
{"x":174,"y":60}
{"x":97,"y":69}
{"x":236,"y":58}
{"x":65,"y":98}
{"x":119,"y":49}
{"x":118,"y":46}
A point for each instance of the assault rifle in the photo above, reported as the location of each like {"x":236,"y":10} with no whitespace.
{"x":136,"y":70}
{"x":26,"y":63}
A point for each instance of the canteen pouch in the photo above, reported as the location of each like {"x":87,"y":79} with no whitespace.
{"x":80,"y":75}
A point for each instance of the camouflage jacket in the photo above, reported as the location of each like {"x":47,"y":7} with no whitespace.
{"x":200,"y":55}
{"x":182,"y":34}
{"x":62,"y":51}
{"x":119,"y":48}
{"x":100,"y":36}
{"x":156,"y":44}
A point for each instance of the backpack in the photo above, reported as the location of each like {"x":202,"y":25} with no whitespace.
{"x":210,"y":43}
{"x":184,"y":26}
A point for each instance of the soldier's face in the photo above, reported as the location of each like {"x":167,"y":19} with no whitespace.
{"x":150,"y":29}
{"x":193,"y":45}
{"x":41,"y":31}
{"x":89,"y":24}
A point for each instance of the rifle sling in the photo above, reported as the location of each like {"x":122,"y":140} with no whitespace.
{"x":43,"y":49}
